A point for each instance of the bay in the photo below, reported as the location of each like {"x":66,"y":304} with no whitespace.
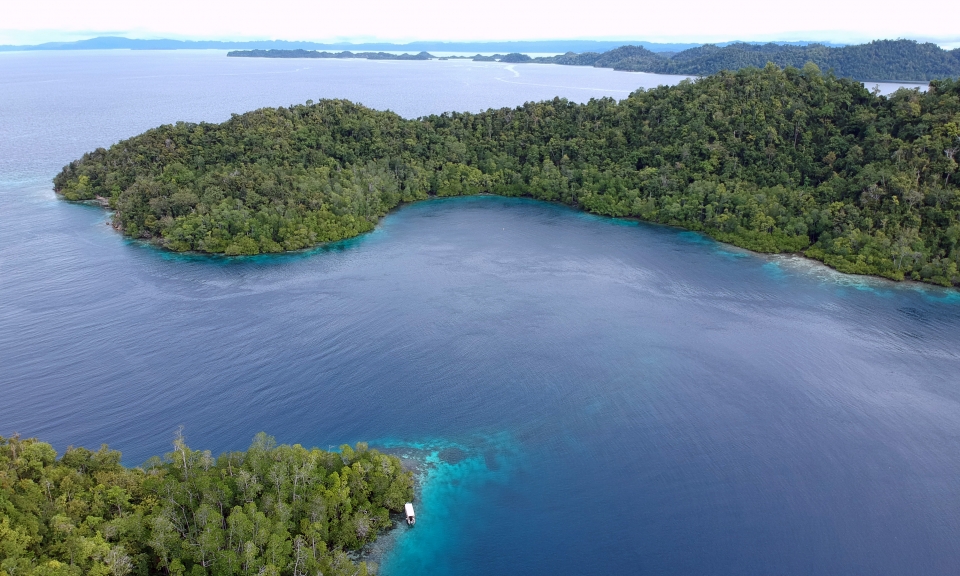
{"x":589,"y":395}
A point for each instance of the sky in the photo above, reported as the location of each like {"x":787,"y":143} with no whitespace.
{"x":849,"y":21}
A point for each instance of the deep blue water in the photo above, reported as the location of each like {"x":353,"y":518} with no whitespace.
{"x":591,"y":395}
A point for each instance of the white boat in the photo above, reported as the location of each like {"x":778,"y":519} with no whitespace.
{"x":411,"y":517}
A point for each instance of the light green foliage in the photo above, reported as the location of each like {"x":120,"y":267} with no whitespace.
{"x":283,"y":510}
{"x":772,"y":160}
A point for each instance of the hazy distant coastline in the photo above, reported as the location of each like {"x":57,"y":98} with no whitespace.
{"x":880,"y":60}
{"x":532,"y":46}
{"x":299,"y":53}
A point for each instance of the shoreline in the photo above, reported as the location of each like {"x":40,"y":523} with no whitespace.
{"x":386,"y":541}
{"x":448,"y":474}
{"x":153,"y":243}
{"x":621,"y":62}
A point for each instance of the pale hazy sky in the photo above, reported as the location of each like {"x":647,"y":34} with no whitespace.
{"x":30,"y":21}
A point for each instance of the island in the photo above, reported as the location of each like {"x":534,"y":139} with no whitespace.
{"x":270,"y":510}
{"x":880,"y":60}
{"x":774,"y":160}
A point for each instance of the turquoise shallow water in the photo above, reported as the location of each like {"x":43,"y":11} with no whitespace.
{"x":450,"y":476}
{"x":588,"y":395}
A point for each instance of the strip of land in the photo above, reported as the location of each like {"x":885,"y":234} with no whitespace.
{"x":315,"y":54}
{"x":773,"y":160}
{"x":525,"y":46}
{"x":881,"y":60}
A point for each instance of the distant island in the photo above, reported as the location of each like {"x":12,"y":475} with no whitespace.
{"x":269,"y":510}
{"x":525,"y":46}
{"x":893,"y":60}
{"x":314,"y":54}
{"x":770,"y":159}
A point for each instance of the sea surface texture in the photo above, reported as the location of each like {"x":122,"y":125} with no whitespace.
{"x":588,"y":395}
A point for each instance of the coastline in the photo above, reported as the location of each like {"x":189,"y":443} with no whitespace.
{"x":448,"y":474}
{"x":905,"y":58}
{"x":154,"y":243}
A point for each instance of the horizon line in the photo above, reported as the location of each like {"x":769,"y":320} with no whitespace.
{"x":359,"y":42}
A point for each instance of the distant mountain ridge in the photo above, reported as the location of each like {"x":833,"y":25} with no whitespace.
{"x":530,"y":46}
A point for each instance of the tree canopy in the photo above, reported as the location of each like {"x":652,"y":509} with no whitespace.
{"x":280,"y":510}
{"x":774,"y":160}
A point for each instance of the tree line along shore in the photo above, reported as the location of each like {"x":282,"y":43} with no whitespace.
{"x":270,"y":510}
{"x":880,"y":60}
{"x":773,"y":160}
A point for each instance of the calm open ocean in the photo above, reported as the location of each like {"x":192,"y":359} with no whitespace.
{"x":592,"y":396}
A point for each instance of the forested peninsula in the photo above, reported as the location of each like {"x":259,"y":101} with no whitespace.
{"x":268,"y":511}
{"x":893,"y":60}
{"x":773,"y":160}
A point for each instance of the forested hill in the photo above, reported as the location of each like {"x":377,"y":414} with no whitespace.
{"x":768,"y":159}
{"x":271,"y":510}
{"x":904,"y":60}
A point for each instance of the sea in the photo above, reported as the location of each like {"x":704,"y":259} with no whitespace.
{"x":582,"y":395}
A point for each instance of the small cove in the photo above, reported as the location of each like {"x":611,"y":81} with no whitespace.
{"x":590,"y":394}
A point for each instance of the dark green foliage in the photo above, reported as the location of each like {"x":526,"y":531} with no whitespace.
{"x":270,"y":510}
{"x":904,"y":60}
{"x":768,"y":159}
